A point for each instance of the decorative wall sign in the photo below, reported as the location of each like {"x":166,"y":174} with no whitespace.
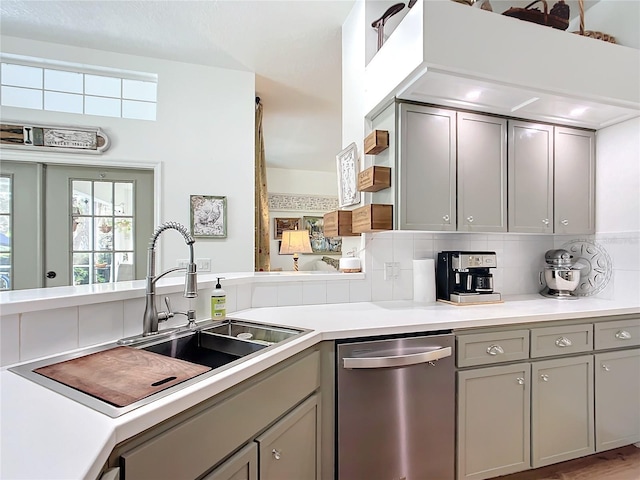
{"x":208,"y":216}
{"x":348,"y":168}
{"x":50,"y":138}
{"x":306,"y":203}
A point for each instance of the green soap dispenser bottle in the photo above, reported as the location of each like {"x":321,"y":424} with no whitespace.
{"x":218,"y":302}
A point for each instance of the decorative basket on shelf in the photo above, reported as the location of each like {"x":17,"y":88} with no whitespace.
{"x":590,"y":33}
{"x":558,"y":17}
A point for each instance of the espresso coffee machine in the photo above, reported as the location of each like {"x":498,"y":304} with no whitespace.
{"x":464,"y":277}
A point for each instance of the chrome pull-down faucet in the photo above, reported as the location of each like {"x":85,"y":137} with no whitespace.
{"x":151,"y":316}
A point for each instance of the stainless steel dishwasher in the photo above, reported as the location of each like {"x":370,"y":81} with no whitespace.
{"x":396,"y":409}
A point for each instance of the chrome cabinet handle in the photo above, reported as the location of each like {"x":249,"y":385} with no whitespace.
{"x":563,"y":342}
{"x":545,"y":221}
{"x":605,"y":367}
{"x":545,"y":378}
{"x":445,"y":218}
{"x":520,"y":380}
{"x":470,"y":219}
{"x":427,"y":356}
{"x":623,"y":335}
{"x":565,"y":222}
{"x":276,"y":453}
{"x":495,"y":350}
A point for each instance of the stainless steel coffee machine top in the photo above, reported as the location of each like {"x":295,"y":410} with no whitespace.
{"x":561,"y":275}
{"x":464,"y":277}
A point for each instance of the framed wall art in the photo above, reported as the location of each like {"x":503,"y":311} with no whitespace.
{"x":348,"y":168}
{"x":208,"y":216}
{"x":319,"y":243}
{"x":281,"y":224}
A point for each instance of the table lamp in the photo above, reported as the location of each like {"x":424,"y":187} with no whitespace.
{"x":295,"y":241}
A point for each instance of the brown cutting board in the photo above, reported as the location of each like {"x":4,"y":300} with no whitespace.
{"x":122,"y":375}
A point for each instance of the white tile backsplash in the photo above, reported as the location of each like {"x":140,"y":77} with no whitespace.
{"x":381,"y":289}
{"x":133,"y":311}
{"x":360,"y":290}
{"x":290,"y":294}
{"x":314,"y":293}
{"x":264,"y":295}
{"x":48,"y":332}
{"x":403,"y":250}
{"x":338,"y":291}
{"x":100,"y":323}
{"x":243,"y":301}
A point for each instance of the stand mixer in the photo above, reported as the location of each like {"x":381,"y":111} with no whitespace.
{"x":561,"y":276}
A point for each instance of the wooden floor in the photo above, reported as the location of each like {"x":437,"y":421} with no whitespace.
{"x":619,"y":464}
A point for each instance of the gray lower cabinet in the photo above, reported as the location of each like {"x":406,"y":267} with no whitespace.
{"x":242,"y":466}
{"x":482,"y":173}
{"x":218,"y":437}
{"x":427,"y":168}
{"x":530,"y":177}
{"x":617,"y":390}
{"x":574,"y":181}
{"x":290,"y":450}
{"x":561,"y":410}
{"x":493,"y":421}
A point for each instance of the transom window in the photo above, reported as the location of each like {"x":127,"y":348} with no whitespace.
{"x":59,"y":87}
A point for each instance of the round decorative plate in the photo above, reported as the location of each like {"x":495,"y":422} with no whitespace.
{"x":594,"y":263}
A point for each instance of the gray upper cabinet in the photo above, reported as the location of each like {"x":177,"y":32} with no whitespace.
{"x":574,"y":183}
{"x":482,"y":173}
{"x":427,"y":168}
{"x":530,"y":177}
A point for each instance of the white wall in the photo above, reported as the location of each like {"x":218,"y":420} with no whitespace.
{"x":203,"y":138}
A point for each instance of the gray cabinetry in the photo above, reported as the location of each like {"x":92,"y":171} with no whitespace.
{"x":197,"y":441}
{"x":493,"y":421}
{"x":482,"y":173}
{"x":530,"y":183}
{"x":574,"y":182}
{"x":561,"y":410}
{"x":617,"y":390}
{"x":427,"y":168}
{"x":290,"y":449}
{"x":242,"y":466}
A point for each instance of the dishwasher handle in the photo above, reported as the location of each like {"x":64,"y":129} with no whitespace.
{"x":397,"y":360}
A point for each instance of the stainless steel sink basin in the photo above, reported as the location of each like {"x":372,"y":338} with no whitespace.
{"x":218,"y":345}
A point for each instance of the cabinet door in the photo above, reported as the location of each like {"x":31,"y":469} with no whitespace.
{"x":561,"y":410}
{"x":493,"y":421}
{"x":530,"y":183}
{"x":242,"y":466}
{"x":427,"y":168}
{"x":617,"y":399}
{"x":482,"y":173}
{"x":290,"y":449}
{"x":574,"y":183}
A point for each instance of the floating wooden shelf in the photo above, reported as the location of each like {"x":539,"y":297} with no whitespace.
{"x":376,"y":142}
{"x":374,"y":179}
{"x":338,"y":224}
{"x":372,"y":218}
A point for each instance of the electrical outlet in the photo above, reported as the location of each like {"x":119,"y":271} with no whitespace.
{"x":391,"y":270}
{"x":203,"y":264}
{"x":182,"y":263}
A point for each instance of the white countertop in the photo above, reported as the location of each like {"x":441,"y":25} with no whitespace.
{"x":44,"y":435}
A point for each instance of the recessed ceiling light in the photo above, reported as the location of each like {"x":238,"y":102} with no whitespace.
{"x":473,"y":95}
{"x":576,"y":112}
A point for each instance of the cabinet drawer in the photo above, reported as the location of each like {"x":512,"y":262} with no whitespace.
{"x":489,"y":348}
{"x":622,"y":333}
{"x":549,"y":341}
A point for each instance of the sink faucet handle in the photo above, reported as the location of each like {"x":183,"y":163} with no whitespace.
{"x":164,"y":316}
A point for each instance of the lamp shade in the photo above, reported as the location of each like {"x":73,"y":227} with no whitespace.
{"x":295,"y":241}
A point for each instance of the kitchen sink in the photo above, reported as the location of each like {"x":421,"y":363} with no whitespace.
{"x":215,"y":345}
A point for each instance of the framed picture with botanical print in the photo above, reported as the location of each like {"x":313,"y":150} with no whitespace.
{"x":281,"y":224}
{"x":348,"y":167}
{"x":319,"y":243}
{"x":208,"y":216}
